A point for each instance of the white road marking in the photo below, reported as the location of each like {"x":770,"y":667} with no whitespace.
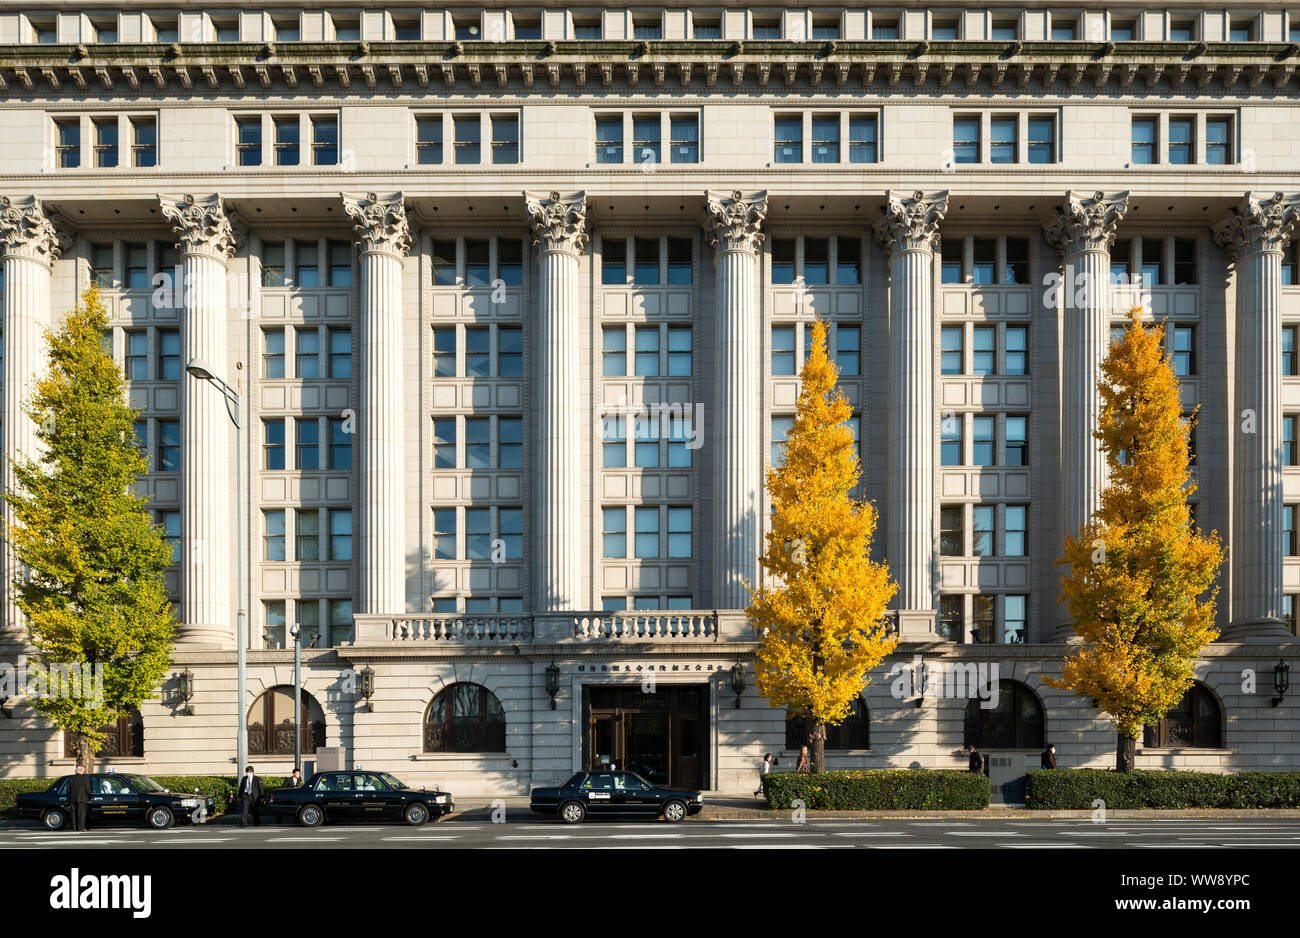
{"x":301,"y":840}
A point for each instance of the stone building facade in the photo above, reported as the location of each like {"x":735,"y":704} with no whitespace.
{"x":515,"y":297}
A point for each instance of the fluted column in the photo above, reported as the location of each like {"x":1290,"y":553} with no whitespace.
{"x":909,"y":231}
{"x":30,"y":247}
{"x":206,"y":243}
{"x":384,"y":238}
{"x":559,"y":224}
{"x":1255,"y":234}
{"x":1083,"y":232}
{"x":734,"y":221}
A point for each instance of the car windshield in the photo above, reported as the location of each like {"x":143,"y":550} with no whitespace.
{"x":145,"y":783}
{"x":392,"y":781}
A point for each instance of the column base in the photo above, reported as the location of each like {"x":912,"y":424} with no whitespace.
{"x":205,"y":638}
{"x":1264,"y":631}
{"x":916,"y":625}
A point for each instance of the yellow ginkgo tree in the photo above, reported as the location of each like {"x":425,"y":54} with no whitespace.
{"x":821,"y":620}
{"x":1139,"y":583}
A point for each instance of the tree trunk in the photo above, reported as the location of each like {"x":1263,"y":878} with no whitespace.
{"x":85,"y":754}
{"x":1124,"y":752}
{"x":819,"y":748}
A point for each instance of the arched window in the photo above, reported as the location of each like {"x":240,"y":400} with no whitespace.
{"x":465,"y":718}
{"x":122,"y":738}
{"x":1015,"y":723}
{"x":1196,"y":722}
{"x":853,"y":733}
{"x":270,"y":723}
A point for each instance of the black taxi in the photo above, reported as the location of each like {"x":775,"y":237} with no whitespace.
{"x":357,"y":795}
{"x":622,"y":794}
{"x":135,"y":799}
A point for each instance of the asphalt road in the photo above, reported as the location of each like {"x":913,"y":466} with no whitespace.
{"x":526,"y":832}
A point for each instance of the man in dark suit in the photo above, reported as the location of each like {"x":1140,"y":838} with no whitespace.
{"x":79,"y":798}
{"x":250,"y":793}
{"x":295,"y":780}
{"x":976,"y":760}
{"x":1049,"y":757}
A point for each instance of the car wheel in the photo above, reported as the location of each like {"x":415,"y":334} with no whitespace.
{"x":674,"y":811}
{"x":572,"y":812}
{"x":416,"y":814}
{"x":160,"y":819}
{"x":311,"y":816}
{"x":54,"y":819}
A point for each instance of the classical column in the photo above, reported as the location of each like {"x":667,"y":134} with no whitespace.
{"x":30,"y":246}
{"x":734,"y":221}
{"x":559,"y":223}
{"x":384,"y":238}
{"x":1255,"y":234}
{"x":206,"y":243}
{"x":909,"y":231}
{"x":1083,"y":232}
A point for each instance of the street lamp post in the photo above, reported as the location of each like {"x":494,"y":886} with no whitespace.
{"x":296,"y":631}
{"x":199,"y":369}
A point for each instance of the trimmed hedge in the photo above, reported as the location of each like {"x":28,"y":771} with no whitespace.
{"x":221,"y":789}
{"x":873,"y":790}
{"x":1160,"y":788}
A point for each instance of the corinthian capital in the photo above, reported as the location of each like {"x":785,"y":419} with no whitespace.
{"x":911,"y":223}
{"x":27,"y":230}
{"x":201,"y":225}
{"x":379,"y":221}
{"x":734,"y":219}
{"x":1258,"y":224}
{"x":559,"y":221}
{"x":1087,"y":222}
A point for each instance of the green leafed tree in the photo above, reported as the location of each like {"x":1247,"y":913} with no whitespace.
{"x":92,"y":590}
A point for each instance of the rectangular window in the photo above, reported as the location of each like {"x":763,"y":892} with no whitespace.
{"x":826,"y":29}
{"x":169,"y":355}
{"x":645,"y":450}
{"x":169,"y":445}
{"x":783,"y":350}
{"x":767,"y":29}
{"x":340,"y":444}
{"x":137,"y":266}
{"x":307,"y":264}
{"x":510,"y":353}
{"x":140,"y":429}
{"x":984,"y":441}
{"x":144,"y":141}
{"x":678,"y":432}
{"x":1042,"y":140}
{"x":340,"y":613}
{"x":613,"y":261}
{"x":428,"y":140}
{"x":646,"y":545}
{"x":614,"y":442}
{"x":848,"y":261}
{"x":101,"y":264}
{"x":952,"y":531}
{"x":789,"y":140}
{"x":1014,"y":619}
{"x":983,"y":619}
{"x":510,"y":528}
{"x":609,"y":139}
{"x":106,"y":143}
{"x":590,"y":29}
{"x":505,"y":139}
{"x":1017,"y":261}
{"x":615,"y":532}
{"x":1288,"y":351}
{"x":1122,"y":32}
{"x":307,"y":614}
{"x":1185,"y":267}
{"x":340,"y":269}
{"x":137,"y":356}
{"x":286,"y":141}
{"x":1003,"y":139}
{"x":510,"y":443}
{"x":340,"y":534}
{"x":943,"y":29}
{"x":984,"y":257}
{"x":171,"y":523}
{"x":273,"y":264}
{"x":68,"y":146}
{"x":1016,"y":533}
{"x":478,"y":262}
{"x":646,"y":29}
{"x":1152,"y":262}
{"x":950,"y":260}
{"x":273,"y":535}
{"x":645,"y":271}
{"x":1218,"y":141}
{"x":1184,"y":350}
{"x":1017,"y":448}
{"x":783,"y":260}
{"x":273,"y":619}
{"x":308,"y":354}
{"x":951,"y":617}
{"x":826,"y":139}
{"x":685,"y":139}
{"x":680,"y":261}
{"x":884,"y":29}
{"x":444,"y":534}
{"x":1181,"y":31}
{"x":468,"y":137}
{"x":1144,"y":141}
{"x":645,"y":139}
{"x":984,"y":351}
{"x":478,"y":353}
{"x":1016,"y":359}
{"x":705,"y":29}
{"x":510,"y":262}
{"x":248,"y":141}
{"x":1003,"y":29}
{"x":679,"y":532}
{"x":614,"y":351}
{"x":478,"y":443}
{"x":1064,"y":31}
{"x":307,"y":443}
{"x":1288,"y":440}
{"x":647,"y":351}
{"x":1121,"y":253}
{"x":966,"y":139}
{"x":848,"y":349}
{"x":444,"y":443}
{"x":780,"y":431}
{"x":951,"y":352}
{"x":862,"y":139}
{"x":444,"y":353}
{"x":1288,"y":530}
{"x":325,"y":141}
{"x":816,"y":261}
{"x":679,"y":351}
{"x":340,"y":353}
{"x":983,"y":530}
{"x":1182,"y":140}
{"x":950,"y":441}
{"x":273,"y":445}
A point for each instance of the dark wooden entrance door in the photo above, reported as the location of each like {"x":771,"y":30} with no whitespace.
{"x":661,"y":736}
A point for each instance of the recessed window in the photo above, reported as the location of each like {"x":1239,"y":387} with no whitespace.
{"x":826,"y":28}
{"x":1042,"y":140}
{"x":966,"y":139}
{"x":1182,"y":30}
{"x":1002,"y":139}
{"x":586,"y":29}
{"x":1003,"y":29}
{"x":286,"y":141}
{"x":346,"y":28}
{"x":862,"y":138}
{"x":1015,"y":531}
{"x":884,"y":29}
{"x":527,"y":28}
{"x":68,"y":144}
{"x":609,"y":139}
{"x":325,"y":141}
{"x":647,"y":29}
{"x":1122,"y":30}
{"x":1288,"y":351}
{"x":1144,"y":140}
{"x":444,"y":274}
{"x":1182,"y":140}
{"x":783,"y":260}
{"x":406,"y":29}
{"x":1183,"y":350}
{"x":645,"y":138}
{"x":505,"y":138}
{"x":308,"y":352}
{"x":789,"y":139}
{"x":144,"y":141}
{"x":1241,"y":31}
{"x":1064,"y":30}
{"x":783,"y":360}
{"x":1218,"y":141}
{"x":826,"y":139}
{"x":706,"y":29}
{"x":106,"y":142}
{"x":340,"y":534}
{"x":950,"y":441}
{"x":984,"y":441}
{"x":943,"y":29}
{"x":248,"y":141}
{"x":286,"y":30}
{"x":1016,"y":353}
{"x":105,"y":30}
{"x":952,"y":531}
{"x":307,"y":264}
{"x":1017,"y":441}
{"x":983,"y":530}
{"x":428,"y":140}
{"x":685,"y":132}
{"x":468,"y":138}
{"x":951,"y":615}
{"x":766,"y":29}
{"x":307,"y":444}
{"x":273,"y":265}
{"x":467,"y":30}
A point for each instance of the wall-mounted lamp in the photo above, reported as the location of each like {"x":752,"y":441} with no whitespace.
{"x":552,"y":681}
{"x":185,"y":691}
{"x":738,"y":681}
{"x":367,"y":677}
{"x":1281,"y":680}
{"x":919,"y":684}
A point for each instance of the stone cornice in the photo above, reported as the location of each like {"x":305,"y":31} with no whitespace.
{"x":380,"y":222}
{"x":27,"y":230}
{"x":1087,"y":222}
{"x":201,"y":224}
{"x":1258,"y":224}
{"x":735,"y":218}
{"x":911,"y":222}
{"x":32,"y":69}
{"x":559,"y":221}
